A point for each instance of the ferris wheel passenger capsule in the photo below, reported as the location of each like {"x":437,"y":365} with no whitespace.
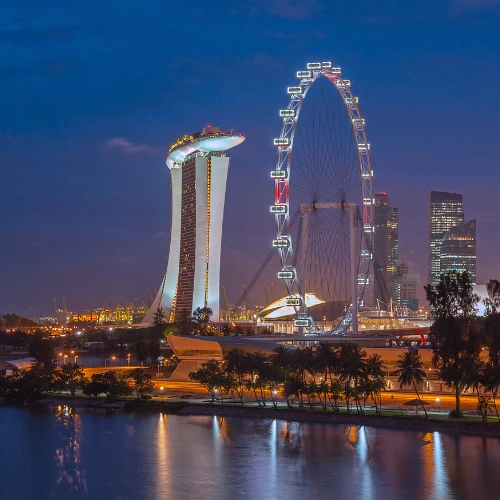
{"x":363,"y":147}
{"x":286,"y":275}
{"x":336,"y":71}
{"x":278,"y":209}
{"x":294,"y":90}
{"x":282,"y":141}
{"x":287,"y":113}
{"x":302,"y":322}
{"x":315,"y":65}
{"x":282,"y":242}
{"x":304,"y":74}
{"x":326,"y":64}
{"x":279,"y":174}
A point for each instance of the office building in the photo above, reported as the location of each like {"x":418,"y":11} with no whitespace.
{"x":408,"y":285}
{"x":458,"y":250}
{"x":385,"y":252}
{"x":445,"y":211}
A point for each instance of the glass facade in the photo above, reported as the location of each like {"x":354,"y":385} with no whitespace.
{"x":385,"y":252}
{"x":458,"y":249}
{"x":445,"y":211}
{"x":184,"y":295}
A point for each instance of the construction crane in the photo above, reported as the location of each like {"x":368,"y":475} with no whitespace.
{"x":266,"y":295}
{"x":226,"y":306}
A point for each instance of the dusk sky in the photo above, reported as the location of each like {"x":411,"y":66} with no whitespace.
{"x":94,"y":93}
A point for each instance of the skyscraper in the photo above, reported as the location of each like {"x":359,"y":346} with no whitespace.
{"x":458,"y":249}
{"x":444,"y":212}
{"x":198,"y":174}
{"x":385,"y":252}
{"x":408,"y":286}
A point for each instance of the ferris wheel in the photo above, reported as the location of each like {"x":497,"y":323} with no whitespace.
{"x":323,"y":201}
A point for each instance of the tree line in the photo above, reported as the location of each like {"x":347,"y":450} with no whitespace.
{"x":40,"y":381}
{"x":322,"y":377}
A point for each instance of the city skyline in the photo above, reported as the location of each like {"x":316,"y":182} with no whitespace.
{"x":85,"y":218}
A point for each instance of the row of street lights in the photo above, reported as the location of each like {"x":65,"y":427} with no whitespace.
{"x":111,"y":359}
{"x":65,"y":356}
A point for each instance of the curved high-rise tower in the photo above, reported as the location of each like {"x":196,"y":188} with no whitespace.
{"x":198,"y":174}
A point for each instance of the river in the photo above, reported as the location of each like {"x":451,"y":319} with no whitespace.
{"x":59,"y":454}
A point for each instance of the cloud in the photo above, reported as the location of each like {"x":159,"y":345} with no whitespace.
{"x":292,"y":9}
{"x":161,"y":234}
{"x":286,"y":9}
{"x":123,"y":145}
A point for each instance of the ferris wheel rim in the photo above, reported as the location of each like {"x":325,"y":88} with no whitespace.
{"x":284,"y":156}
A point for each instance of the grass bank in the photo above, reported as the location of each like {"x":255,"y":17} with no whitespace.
{"x":435,"y":423}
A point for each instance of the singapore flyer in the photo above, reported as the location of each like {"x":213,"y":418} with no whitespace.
{"x":323,"y":201}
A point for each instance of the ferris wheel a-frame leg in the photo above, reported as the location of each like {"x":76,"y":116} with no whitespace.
{"x":354,"y":273}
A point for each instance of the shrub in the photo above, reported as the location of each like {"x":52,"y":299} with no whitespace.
{"x":455,"y":414}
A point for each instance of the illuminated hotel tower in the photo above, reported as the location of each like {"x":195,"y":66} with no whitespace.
{"x":198,"y":174}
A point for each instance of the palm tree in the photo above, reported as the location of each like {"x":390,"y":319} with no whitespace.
{"x":352,"y":370}
{"x":323,"y":389}
{"x":236,"y":365}
{"x":376,"y":386}
{"x":336,"y":392}
{"x":491,"y":382}
{"x":482,"y":407}
{"x":281,"y":362}
{"x":326,"y":360}
{"x":303,"y":362}
{"x":410,"y":372}
{"x":375,"y":368}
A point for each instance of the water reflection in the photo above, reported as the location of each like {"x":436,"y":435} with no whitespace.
{"x":68,"y":460}
{"x":130,"y":456}
{"x":163,"y":455}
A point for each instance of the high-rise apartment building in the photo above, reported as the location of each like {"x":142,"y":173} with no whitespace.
{"x":198,"y":174}
{"x":458,"y":249}
{"x":385,"y":252}
{"x":445,"y":211}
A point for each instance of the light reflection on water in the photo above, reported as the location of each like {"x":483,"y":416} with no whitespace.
{"x":130,"y":456}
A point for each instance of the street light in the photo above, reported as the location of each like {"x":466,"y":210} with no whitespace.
{"x":65,"y":356}
{"x":106,"y":360}
{"x":75,"y":358}
{"x":128,"y":359}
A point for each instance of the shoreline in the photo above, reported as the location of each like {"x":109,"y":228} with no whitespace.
{"x":186,"y":408}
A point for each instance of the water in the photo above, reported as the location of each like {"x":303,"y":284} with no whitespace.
{"x":95,"y":455}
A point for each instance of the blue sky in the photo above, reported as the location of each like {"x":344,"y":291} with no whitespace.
{"x":93,"y":93}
